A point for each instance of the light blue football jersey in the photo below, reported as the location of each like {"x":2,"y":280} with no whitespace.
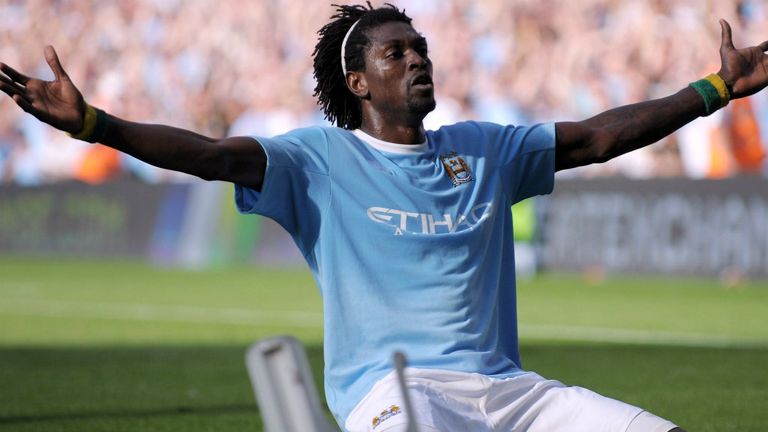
{"x":411,"y":252}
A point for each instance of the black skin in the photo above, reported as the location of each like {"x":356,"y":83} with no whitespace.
{"x":393,"y":110}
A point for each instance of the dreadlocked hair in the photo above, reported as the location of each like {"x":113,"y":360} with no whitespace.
{"x":340,"y":105}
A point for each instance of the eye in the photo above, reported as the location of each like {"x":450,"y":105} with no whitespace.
{"x":394,"y":53}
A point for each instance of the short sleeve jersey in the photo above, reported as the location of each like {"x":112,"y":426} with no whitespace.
{"x":411,"y":252}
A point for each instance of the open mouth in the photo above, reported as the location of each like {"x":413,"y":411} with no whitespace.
{"x":422,"y":81}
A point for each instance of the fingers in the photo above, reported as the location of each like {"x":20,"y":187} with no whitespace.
{"x":23,"y":103}
{"x":13,"y":74}
{"x":726,"y":38}
{"x":12,"y":89}
{"x":10,"y":83}
{"x":53,"y":62}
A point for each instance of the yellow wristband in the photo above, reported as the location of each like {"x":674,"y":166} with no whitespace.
{"x":89,"y":124}
{"x":721,"y":87}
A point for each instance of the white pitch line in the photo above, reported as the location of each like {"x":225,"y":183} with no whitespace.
{"x":631,"y":336}
{"x":302,"y":319}
{"x":159,"y":312}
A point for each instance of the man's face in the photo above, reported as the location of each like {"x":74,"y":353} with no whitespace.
{"x":398,"y":71}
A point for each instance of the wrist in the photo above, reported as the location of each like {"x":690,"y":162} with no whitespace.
{"x":728,"y":82}
{"x":94,"y":125}
{"x":715,"y":92}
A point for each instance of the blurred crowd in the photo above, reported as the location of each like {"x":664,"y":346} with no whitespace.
{"x":244,"y":67}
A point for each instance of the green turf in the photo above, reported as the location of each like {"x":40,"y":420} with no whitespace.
{"x":74,"y":302}
{"x":108,"y":346}
{"x":688,"y":311}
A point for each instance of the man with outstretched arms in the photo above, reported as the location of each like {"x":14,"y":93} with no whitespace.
{"x":407,"y":231}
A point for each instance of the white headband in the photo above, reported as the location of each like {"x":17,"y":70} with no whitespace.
{"x":344,"y":48}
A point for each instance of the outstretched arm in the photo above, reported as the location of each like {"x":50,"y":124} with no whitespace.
{"x":627,"y":128}
{"x":59,"y":103}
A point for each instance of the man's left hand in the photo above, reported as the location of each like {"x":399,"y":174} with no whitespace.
{"x":744,"y":70}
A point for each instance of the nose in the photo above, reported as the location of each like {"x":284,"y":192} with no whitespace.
{"x":416,"y":60}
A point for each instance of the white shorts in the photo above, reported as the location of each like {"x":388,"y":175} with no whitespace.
{"x":448,"y":401}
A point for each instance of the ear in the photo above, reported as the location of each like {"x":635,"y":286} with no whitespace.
{"x":357,"y":84}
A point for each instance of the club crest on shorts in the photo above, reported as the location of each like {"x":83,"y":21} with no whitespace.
{"x":388,"y":413}
{"x":457,"y":168}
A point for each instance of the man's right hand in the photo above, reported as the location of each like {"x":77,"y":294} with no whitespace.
{"x":58,"y":102}
{"x":240,"y":160}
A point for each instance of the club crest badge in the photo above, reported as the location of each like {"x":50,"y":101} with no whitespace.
{"x":457,"y":168}
{"x":386,"y":414}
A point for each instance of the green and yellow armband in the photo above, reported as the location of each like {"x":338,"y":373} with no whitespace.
{"x":94,"y":125}
{"x":714,"y":91}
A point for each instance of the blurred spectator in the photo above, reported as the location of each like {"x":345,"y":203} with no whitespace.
{"x":245,"y":67}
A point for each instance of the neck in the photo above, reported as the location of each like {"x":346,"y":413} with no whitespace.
{"x":404,"y":132}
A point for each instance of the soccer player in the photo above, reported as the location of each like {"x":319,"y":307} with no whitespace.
{"x":407,"y":231}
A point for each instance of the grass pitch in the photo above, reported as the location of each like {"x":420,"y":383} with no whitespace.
{"x":115,"y":346}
